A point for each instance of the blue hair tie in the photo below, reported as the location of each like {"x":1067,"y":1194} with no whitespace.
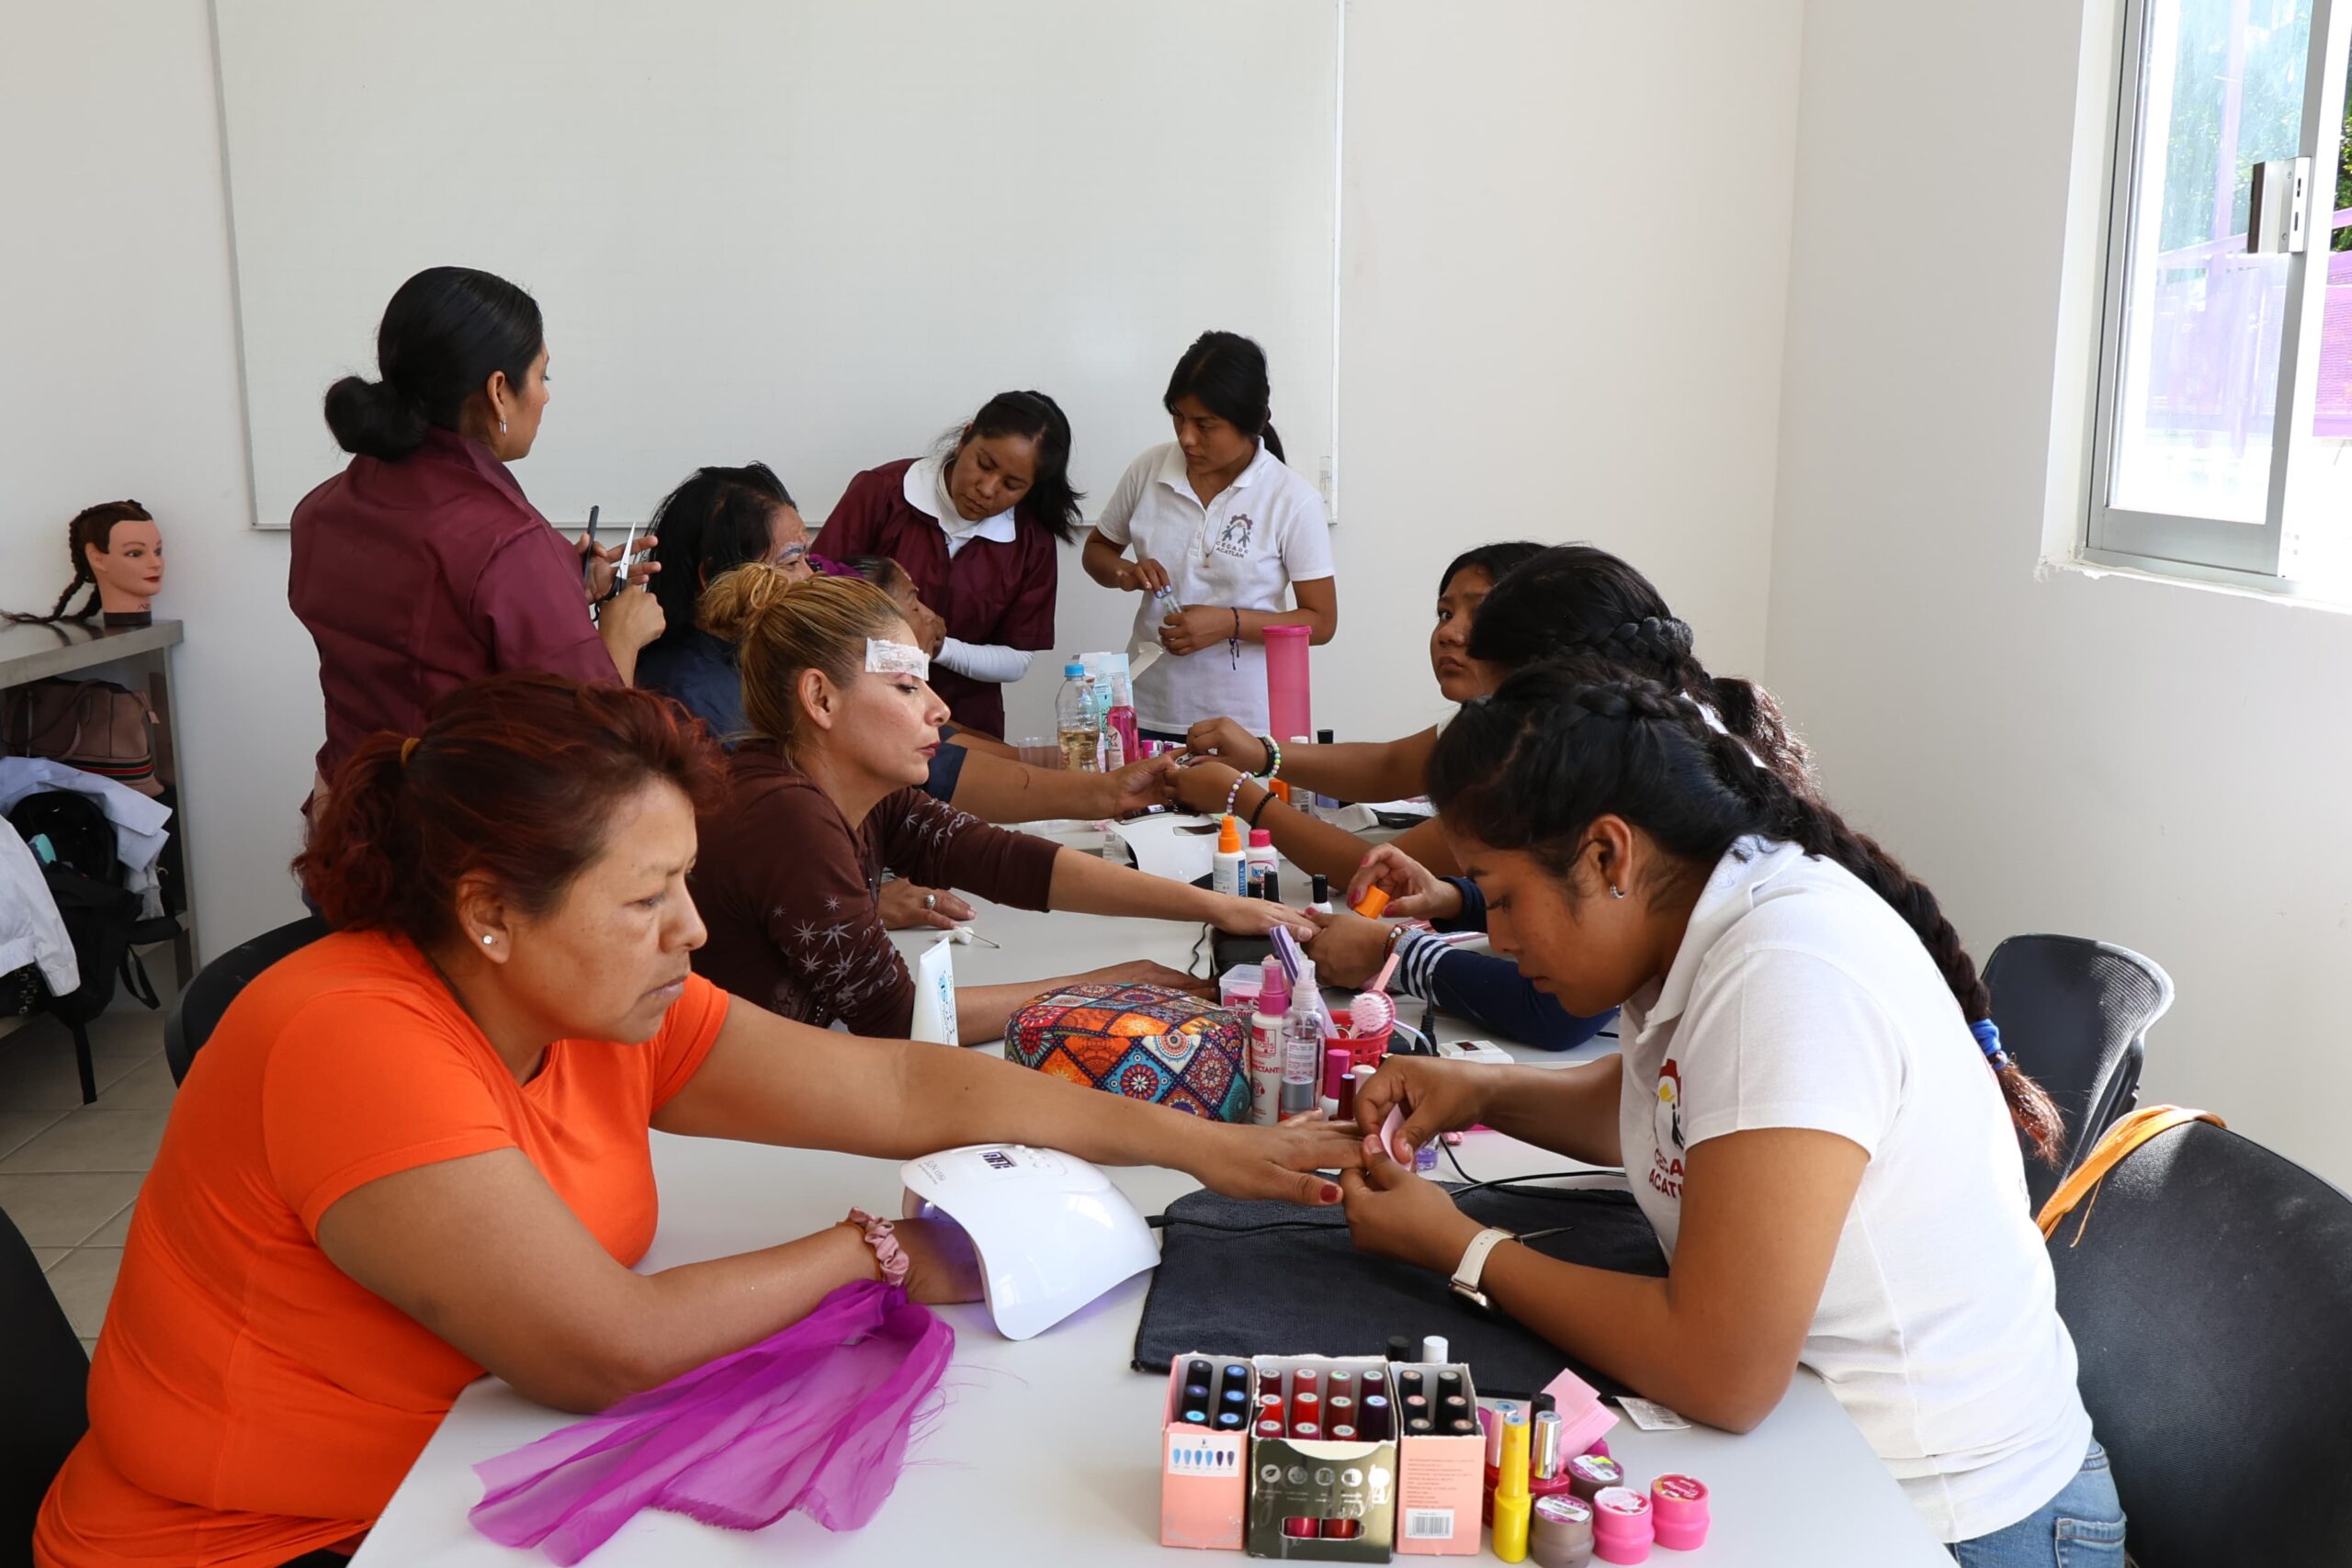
{"x":1988,"y":1040}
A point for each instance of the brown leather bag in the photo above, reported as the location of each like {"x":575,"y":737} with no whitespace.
{"x":94,"y":726}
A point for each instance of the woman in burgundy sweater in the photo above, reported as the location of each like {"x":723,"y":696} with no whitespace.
{"x":828,"y":793}
{"x":978,"y":527}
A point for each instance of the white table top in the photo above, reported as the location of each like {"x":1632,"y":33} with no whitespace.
{"x":1048,"y":1450}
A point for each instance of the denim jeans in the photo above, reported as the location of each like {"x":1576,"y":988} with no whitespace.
{"x":2080,"y":1527}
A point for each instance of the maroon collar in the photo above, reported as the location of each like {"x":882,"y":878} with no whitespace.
{"x":447,"y":446}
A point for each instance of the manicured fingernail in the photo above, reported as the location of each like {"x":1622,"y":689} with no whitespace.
{"x":1330,"y":1193}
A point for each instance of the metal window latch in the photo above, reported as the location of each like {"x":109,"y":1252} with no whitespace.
{"x":2279,"y":209}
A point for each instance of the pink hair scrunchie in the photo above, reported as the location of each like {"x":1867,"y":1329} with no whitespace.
{"x":882,"y":1236}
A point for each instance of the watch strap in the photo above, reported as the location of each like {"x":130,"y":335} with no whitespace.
{"x":1473,"y":1265}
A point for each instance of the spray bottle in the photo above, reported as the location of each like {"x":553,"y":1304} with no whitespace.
{"x":1301,"y":1044}
{"x":1267,"y":1028}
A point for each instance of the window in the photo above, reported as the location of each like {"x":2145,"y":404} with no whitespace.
{"x":2223,"y":445}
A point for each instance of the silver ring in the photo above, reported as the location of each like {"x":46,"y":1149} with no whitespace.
{"x":931,"y":900}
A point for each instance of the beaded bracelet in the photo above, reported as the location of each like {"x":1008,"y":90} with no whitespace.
{"x":1234,"y":792}
{"x":1273,"y":756}
{"x":881,"y":1236}
{"x":1260,"y":809}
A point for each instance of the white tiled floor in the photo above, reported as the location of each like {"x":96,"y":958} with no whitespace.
{"x":69,"y":1172}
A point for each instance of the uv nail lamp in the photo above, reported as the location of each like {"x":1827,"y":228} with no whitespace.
{"x":1050,"y":1231}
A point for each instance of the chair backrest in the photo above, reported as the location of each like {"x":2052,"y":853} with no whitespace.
{"x":208,"y":996}
{"x":2074,"y":1014}
{"x":2210,"y":1294}
{"x":46,"y":1374}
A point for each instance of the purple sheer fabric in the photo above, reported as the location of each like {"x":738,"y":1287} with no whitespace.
{"x":816,"y":1417}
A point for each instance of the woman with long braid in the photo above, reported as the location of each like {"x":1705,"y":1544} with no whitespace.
{"x":1812,"y":1107}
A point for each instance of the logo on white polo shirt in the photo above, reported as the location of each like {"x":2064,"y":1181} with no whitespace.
{"x":1666,"y":1160}
{"x":1233,"y":539}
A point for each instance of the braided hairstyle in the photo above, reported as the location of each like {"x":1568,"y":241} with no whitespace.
{"x":1574,"y":749}
{"x":1574,"y":596}
{"x":92,"y":527}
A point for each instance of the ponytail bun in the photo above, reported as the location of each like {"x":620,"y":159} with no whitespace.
{"x":359,"y":849}
{"x":780,"y":627}
{"x":374,"y":419}
{"x":737,"y":601}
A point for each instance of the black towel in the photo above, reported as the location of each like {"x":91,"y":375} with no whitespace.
{"x":1304,"y":1290}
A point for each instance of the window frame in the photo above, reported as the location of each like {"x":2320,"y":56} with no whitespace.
{"x":2265,"y":554}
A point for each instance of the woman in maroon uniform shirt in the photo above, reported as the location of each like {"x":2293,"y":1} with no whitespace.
{"x":975,"y":526}
{"x":422,"y":565}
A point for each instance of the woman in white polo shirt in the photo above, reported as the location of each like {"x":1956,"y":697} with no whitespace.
{"x":1812,"y":1107}
{"x":1221,"y":529}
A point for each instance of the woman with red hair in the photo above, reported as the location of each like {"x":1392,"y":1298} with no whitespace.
{"x":416,"y":1150}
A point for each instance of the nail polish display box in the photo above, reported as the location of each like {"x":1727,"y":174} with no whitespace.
{"x":1315,"y":1501}
{"x":1442,"y":1481}
{"x":1204,"y":1478}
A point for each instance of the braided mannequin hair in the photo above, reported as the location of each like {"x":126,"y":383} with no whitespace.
{"x":1574,"y":749}
{"x":1579,"y":596}
{"x":92,"y":527}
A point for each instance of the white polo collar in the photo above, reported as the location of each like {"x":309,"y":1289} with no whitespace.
{"x":924,"y":492}
{"x":1728,"y":896}
{"x":1172,"y":470}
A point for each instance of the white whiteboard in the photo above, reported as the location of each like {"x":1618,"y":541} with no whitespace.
{"x":815,"y":233}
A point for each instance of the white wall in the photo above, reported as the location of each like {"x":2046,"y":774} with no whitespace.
{"x":1565,"y":233}
{"x":2158,"y":765}
{"x":1531,"y":343}
{"x":119,"y":378}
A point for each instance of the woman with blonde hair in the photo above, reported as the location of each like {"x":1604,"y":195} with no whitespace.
{"x":828,"y":795}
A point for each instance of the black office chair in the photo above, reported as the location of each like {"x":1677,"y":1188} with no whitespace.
{"x":2075,"y":1013}
{"x":2209,"y":1292}
{"x":47,"y":1376}
{"x":199,"y":1010}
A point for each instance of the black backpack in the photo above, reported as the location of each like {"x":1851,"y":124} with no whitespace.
{"x":76,"y":827}
{"x":102,"y":917}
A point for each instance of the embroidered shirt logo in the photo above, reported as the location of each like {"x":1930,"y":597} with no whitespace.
{"x":1665,"y":1161}
{"x":1233,"y":539}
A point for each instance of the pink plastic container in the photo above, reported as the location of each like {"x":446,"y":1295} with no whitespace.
{"x":1678,"y":1513}
{"x":1620,"y":1526}
{"x":1368,"y":1049}
{"x":1289,"y":710}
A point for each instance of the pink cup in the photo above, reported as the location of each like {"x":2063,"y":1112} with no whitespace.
{"x":1620,"y":1526}
{"x":1679,"y":1512}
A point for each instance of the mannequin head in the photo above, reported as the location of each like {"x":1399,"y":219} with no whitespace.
{"x":117,"y":553}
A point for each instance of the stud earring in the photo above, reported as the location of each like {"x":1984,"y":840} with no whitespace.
{"x":487,"y":940}
{"x":502,"y":427}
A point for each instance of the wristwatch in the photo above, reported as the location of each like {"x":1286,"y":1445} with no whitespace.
{"x":1474,"y":1265}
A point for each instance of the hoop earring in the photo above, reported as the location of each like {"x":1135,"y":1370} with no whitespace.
{"x":1614,"y":892}
{"x":502,"y":427}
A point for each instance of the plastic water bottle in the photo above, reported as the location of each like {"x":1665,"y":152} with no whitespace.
{"x":1074,"y":720}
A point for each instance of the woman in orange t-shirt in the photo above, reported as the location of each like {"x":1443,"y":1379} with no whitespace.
{"x":417,"y":1150}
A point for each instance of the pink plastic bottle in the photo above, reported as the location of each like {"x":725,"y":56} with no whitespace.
{"x":1289,"y":710}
